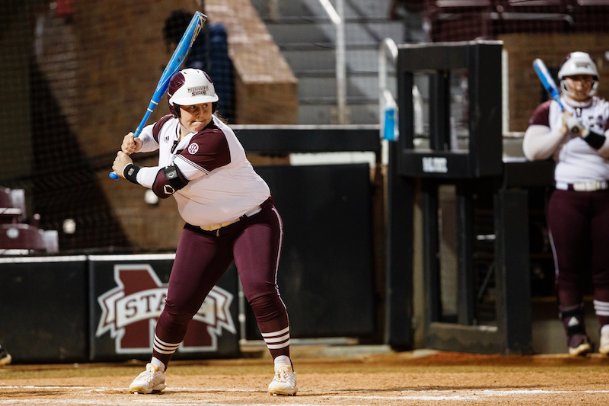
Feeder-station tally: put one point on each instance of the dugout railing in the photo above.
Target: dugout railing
(474, 204)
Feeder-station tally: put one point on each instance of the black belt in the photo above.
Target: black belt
(224, 227)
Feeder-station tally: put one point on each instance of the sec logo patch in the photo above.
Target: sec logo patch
(193, 148)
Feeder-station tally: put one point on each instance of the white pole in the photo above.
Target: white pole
(388, 49)
(341, 65)
(337, 17)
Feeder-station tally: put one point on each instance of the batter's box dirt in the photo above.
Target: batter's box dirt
(382, 379)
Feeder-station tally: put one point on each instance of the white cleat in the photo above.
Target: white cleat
(5, 357)
(284, 381)
(603, 348)
(149, 381)
(580, 350)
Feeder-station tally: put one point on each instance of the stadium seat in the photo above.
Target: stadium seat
(534, 9)
(590, 3)
(539, 6)
(5, 197)
(462, 4)
(18, 237)
(459, 20)
(12, 205)
(590, 15)
(532, 16)
(21, 237)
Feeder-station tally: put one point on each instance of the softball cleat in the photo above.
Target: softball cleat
(284, 381)
(603, 348)
(579, 345)
(150, 381)
(5, 357)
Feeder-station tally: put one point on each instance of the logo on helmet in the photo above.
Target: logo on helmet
(198, 90)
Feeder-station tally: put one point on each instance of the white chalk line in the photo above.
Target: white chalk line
(464, 395)
(459, 395)
(125, 390)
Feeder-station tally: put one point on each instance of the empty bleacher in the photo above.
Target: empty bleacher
(463, 20)
(18, 234)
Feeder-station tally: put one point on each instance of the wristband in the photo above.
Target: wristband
(595, 140)
(130, 173)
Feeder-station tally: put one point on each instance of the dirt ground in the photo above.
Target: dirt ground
(382, 378)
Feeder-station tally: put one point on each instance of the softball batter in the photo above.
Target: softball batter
(578, 208)
(229, 215)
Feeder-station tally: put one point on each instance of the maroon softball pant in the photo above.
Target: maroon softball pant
(202, 257)
(579, 231)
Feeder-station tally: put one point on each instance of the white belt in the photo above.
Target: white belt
(590, 186)
(214, 227)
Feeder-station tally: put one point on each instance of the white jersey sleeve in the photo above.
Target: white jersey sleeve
(147, 175)
(148, 142)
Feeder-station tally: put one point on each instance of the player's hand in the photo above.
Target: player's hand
(120, 162)
(131, 144)
(573, 126)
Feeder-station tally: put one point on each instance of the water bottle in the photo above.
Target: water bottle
(390, 128)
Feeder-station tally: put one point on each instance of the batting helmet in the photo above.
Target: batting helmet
(578, 63)
(188, 87)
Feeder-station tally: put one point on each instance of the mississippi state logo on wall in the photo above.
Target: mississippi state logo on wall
(131, 309)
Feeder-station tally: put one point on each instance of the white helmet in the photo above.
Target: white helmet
(578, 63)
(188, 87)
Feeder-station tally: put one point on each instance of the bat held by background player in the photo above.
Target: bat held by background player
(573, 124)
(547, 82)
